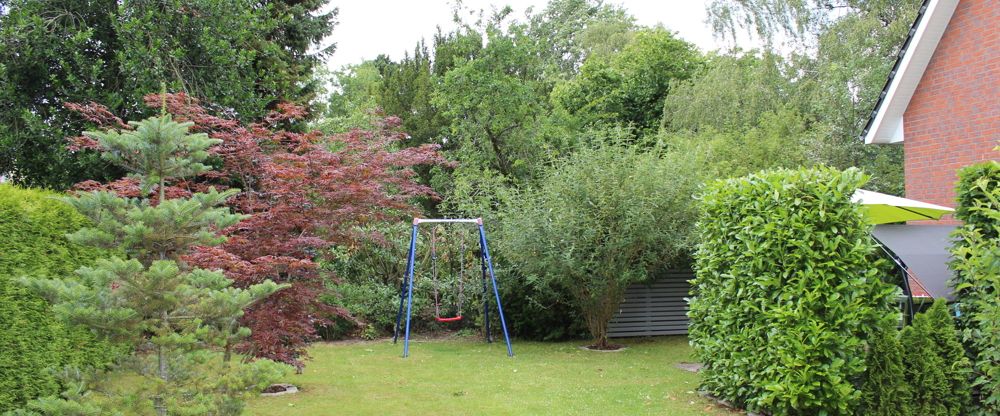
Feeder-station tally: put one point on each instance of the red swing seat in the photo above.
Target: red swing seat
(452, 319)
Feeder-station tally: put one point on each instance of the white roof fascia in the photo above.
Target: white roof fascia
(887, 124)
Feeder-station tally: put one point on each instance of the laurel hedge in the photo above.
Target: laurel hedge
(787, 289)
(976, 262)
(33, 343)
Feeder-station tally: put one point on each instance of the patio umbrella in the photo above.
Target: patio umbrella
(883, 208)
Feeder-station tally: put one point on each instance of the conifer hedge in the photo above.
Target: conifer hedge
(33, 226)
(786, 291)
(937, 370)
(885, 391)
(976, 262)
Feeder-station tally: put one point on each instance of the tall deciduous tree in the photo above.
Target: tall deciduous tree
(165, 309)
(628, 88)
(244, 55)
(573, 30)
(851, 45)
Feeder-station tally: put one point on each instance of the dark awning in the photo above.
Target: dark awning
(924, 249)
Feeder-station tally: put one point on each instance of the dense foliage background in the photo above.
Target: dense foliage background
(243, 56)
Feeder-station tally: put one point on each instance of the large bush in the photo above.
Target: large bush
(603, 219)
(786, 291)
(33, 226)
(976, 262)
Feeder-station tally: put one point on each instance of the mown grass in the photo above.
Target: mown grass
(467, 377)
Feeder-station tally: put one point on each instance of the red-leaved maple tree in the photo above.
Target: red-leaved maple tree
(303, 192)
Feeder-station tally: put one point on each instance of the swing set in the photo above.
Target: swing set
(486, 265)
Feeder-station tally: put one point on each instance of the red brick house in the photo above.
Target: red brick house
(942, 98)
(941, 102)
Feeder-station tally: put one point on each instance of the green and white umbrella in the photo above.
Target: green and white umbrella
(883, 209)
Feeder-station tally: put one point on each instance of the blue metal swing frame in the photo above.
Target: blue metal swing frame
(406, 288)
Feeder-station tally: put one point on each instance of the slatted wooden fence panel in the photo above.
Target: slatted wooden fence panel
(658, 308)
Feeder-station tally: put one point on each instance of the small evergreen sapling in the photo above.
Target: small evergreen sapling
(885, 391)
(937, 369)
(169, 312)
(957, 368)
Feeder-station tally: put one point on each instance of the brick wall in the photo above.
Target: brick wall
(953, 119)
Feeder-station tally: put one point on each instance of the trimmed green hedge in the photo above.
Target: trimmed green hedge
(786, 291)
(33, 226)
(976, 262)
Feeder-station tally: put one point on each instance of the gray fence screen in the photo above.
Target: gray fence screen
(657, 308)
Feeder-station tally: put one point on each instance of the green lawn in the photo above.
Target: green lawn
(468, 377)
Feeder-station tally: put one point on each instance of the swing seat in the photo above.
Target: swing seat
(452, 319)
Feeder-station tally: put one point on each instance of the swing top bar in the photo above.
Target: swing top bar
(478, 221)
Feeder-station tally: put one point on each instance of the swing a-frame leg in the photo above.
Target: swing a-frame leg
(406, 287)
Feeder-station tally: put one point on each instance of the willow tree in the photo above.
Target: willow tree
(603, 219)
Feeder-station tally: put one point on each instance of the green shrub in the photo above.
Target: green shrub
(924, 372)
(937, 369)
(33, 343)
(786, 290)
(537, 308)
(603, 219)
(976, 262)
(885, 391)
(957, 368)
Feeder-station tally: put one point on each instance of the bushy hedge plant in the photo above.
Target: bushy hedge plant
(603, 219)
(786, 291)
(33, 228)
(976, 262)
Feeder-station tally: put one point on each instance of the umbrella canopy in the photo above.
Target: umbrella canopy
(884, 209)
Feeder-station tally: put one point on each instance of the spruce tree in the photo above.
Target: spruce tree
(172, 315)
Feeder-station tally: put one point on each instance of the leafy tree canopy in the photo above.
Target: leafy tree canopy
(628, 88)
(243, 55)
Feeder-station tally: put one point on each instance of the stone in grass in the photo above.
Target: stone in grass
(279, 390)
(692, 367)
(608, 348)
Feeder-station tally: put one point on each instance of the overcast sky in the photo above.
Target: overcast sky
(368, 28)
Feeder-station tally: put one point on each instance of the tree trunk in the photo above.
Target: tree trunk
(161, 361)
(158, 402)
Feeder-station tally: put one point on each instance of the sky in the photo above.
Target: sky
(368, 28)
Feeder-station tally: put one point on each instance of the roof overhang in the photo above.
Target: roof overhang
(885, 124)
